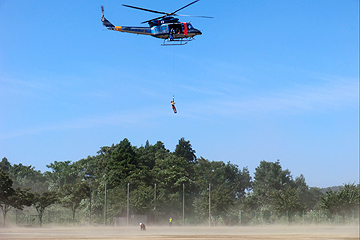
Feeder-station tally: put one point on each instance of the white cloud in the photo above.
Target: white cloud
(332, 95)
(134, 118)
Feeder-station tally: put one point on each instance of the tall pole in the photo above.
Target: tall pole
(105, 204)
(209, 204)
(90, 204)
(155, 203)
(183, 204)
(128, 201)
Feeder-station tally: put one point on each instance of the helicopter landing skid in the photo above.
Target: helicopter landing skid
(176, 42)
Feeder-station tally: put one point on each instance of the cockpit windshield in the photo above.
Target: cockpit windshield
(189, 26)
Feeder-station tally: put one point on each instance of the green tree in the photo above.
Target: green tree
(287, 200)
(350, 197)
(250, 202)
(184, 149)
(342, 202)
(121, 163)
(90, 168)
(62, 173)
(26, 177)
(6, 193)
(42, 201)
(270, 177)
(228, 186)
(144, 176)
(315, 195)
(147, 155)
(170, 173)
(5, 165)
(71, 195)
(10, 197)
(309, 196)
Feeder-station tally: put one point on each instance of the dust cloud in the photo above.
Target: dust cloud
(188, 233)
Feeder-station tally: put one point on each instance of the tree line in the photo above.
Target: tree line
(159, 180)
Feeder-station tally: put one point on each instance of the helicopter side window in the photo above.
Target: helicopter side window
(157, 29)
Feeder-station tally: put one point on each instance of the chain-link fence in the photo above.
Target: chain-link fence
(287, 217)
(57, 215)
(30, 217)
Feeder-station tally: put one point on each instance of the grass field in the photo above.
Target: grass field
(185, 233)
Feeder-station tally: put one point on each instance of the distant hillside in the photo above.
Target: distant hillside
(333, 188)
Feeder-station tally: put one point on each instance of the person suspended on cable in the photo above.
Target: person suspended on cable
(173, 105)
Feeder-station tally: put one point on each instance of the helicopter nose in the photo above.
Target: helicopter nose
(198, 32)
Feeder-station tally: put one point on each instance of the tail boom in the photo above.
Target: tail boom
(136, 30)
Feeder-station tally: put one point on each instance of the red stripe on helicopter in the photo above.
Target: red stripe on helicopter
(185, 29)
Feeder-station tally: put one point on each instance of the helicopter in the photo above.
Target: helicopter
(164, 27)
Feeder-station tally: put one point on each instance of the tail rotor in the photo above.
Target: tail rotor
(102, 13)
(106, 22)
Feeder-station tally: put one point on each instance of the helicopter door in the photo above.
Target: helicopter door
(177, 28)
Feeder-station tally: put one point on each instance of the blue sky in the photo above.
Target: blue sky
(267, 80)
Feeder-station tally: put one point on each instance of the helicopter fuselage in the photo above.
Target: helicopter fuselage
(180, 30)
(166, 27)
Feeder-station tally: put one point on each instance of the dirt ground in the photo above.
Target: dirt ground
(184, 233)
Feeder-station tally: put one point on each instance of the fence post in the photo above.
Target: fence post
(128, 201)
(303, 217)
(337, 218)
(105, 204)
(255, 218)
(209, 205)
(240, 218)
(90, 205)
(155, 203)
(183, 204)
(287, 217)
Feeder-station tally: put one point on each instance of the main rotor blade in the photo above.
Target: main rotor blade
(165, 13)
(144, 9)
(181, 15)
(185, 6)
